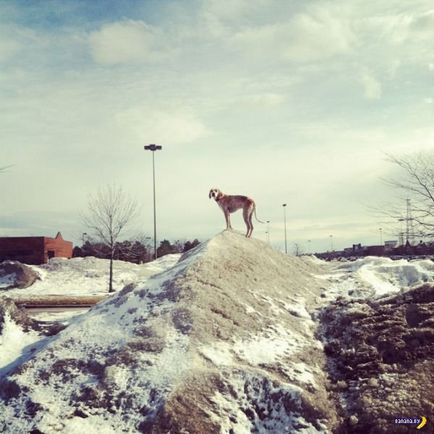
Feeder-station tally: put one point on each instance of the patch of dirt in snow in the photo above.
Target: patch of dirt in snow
(222, 342)
(381, 360)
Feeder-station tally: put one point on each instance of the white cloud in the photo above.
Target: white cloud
(395, 35)
(264, 100)
(122, 42)
(230, 11)
(220, 18)
(16, 39)
(8, 48)
(371, 86)
(423, 25)
(317, 36)
(153, 125)
(314, 35)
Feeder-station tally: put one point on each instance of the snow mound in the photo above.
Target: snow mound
(89, 275)
(13, 274)
(17, 341)
(222, 342)
(377, 276)
(20, 335)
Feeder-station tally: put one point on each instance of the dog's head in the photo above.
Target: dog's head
(214, 193)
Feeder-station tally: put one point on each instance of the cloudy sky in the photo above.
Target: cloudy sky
(291, 102)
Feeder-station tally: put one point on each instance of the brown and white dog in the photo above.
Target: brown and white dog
(230, 204)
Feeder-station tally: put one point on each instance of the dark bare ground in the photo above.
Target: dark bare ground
(381, 361)
(58, 300)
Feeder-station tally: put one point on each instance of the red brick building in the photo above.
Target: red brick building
(34, 250)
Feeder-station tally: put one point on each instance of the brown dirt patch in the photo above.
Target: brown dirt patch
(381, 360)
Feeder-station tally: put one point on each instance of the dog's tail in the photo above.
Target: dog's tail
(254, 211)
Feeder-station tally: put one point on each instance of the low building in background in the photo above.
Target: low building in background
(390, 245)
(34, 250)
(390, 249)
(374, 251)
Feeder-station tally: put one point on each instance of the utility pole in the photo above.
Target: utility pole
(409, 225)
(284, 222)
(409, 230)
(154, 148)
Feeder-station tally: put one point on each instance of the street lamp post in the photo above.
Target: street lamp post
(381, 236)
(284, 222)
(331, 243)
(268, 231)
(154, 148)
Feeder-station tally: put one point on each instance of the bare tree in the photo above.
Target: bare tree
(298, 251)
(110, 210)
(417, 184)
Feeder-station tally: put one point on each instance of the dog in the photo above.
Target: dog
(230, 204)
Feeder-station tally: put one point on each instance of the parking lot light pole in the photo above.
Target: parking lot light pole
(284, 221)
(268, 231)
(154, 148)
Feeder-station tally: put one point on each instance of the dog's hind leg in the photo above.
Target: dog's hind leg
(251, 223)
(247, 216)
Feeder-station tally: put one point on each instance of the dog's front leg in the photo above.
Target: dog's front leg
(228, 221)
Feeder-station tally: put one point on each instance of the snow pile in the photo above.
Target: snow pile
(89, 275)
(13, 274)
(16, 344)
(20, 335)
(222, 342)
(7, 281)
(377, 276)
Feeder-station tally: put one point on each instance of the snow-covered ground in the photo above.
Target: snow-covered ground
(88, 276)
(373, 276)
(69, 277)
(227, 332)
(6, 281)
(15, 344)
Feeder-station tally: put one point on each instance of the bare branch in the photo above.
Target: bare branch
(417, 182)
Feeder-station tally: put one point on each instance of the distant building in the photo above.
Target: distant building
(374, 250)
(34, 250)
(389, 249)
(390, 245)
(348, 251)
(357, 248)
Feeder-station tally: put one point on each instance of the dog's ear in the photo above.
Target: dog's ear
(210, 194)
